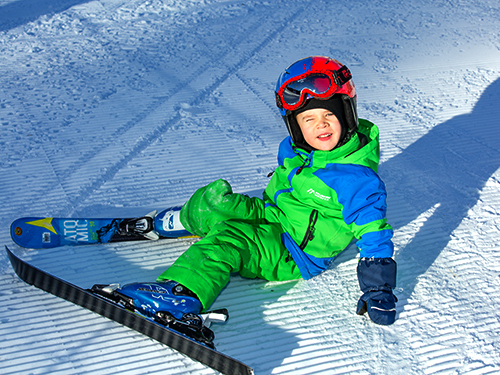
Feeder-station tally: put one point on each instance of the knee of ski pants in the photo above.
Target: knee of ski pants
(252, 250)
(216, 203)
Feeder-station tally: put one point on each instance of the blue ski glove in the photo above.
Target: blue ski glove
(377, 278)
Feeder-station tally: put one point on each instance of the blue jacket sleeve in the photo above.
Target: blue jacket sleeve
(362, 195)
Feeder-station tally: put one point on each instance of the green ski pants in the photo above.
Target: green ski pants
(242, 243)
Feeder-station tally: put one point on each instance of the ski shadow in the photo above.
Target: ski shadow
(264, 344)
(441, 175)
(20, 12)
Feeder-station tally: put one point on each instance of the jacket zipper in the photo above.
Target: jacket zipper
(310, 229)
(305, 164)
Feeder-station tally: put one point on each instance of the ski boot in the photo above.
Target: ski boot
(168, 224)
(167, 303)
(143, 226)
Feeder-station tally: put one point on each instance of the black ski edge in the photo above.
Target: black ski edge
(79, 296)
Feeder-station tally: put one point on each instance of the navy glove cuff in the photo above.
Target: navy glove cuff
(377, 274)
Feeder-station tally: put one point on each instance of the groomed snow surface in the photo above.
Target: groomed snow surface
(116, 107)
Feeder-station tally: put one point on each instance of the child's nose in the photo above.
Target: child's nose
(323, 123)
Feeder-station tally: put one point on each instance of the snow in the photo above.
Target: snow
(116, 107)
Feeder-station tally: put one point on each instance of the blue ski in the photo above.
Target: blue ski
(47, 232)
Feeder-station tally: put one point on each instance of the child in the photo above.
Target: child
(324, 193)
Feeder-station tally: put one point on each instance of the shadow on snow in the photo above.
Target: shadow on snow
(444, 170)
(20, 12)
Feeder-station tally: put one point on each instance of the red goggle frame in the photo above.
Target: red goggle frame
(321, 84)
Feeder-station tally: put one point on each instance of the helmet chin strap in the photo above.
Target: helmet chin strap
(296, 134)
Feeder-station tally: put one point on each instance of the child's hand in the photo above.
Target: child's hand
(377, 279)
(380, 305)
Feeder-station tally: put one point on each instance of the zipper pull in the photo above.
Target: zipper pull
(311, 235)
(306, 162)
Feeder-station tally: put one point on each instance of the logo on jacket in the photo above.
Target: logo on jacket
(318, 195)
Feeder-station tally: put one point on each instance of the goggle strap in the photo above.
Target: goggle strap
(342, 75)
(278, 100)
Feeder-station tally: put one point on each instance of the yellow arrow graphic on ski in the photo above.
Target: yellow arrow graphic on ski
(44, 223)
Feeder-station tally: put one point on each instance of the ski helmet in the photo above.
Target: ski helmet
(317, 82)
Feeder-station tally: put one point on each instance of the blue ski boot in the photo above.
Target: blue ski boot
(167, 303)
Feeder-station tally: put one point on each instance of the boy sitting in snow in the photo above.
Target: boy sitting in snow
(324, 193)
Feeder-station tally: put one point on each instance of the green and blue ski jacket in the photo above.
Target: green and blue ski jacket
(325, 199)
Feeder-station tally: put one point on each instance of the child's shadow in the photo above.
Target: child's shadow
(441, 176)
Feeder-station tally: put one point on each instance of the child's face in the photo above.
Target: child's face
(320, 127)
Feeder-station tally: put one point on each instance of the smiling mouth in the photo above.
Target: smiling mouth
(325, 135)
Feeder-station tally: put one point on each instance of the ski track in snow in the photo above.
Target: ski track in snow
(116, 107)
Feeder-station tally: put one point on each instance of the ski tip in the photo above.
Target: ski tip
(13, 259)
(9, 251)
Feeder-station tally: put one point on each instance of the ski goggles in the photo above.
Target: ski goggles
(320, 84)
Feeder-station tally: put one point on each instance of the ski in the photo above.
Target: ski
(49, 232)
(102, 306)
